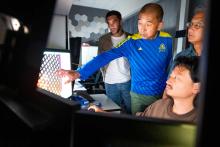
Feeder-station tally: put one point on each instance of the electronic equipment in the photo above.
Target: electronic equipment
(109, 129)
(54, 59)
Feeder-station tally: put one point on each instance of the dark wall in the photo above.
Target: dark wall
(130, 24)
(75, 48)
(171, 16)
(25, 50)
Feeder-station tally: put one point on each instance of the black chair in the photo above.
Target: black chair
(94, 84)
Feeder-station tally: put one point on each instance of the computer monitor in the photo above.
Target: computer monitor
(54, 59)
(88, 53)
(113, 130)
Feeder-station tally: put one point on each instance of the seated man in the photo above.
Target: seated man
(183, 87)
(195, 35)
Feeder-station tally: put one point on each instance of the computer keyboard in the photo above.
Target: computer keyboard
(84, 94)
(84, 99)
(83, 102)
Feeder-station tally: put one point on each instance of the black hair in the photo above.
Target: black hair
(200, 8)
(155, 8)
(190, 63)
(113, 12)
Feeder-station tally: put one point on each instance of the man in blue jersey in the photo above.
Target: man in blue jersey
(149, 53)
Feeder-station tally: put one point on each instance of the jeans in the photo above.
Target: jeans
(120, 94)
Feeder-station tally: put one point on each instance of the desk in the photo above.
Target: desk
(78, 86)
(106, 103)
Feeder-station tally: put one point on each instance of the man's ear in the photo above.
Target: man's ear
(160, 26)
(196, 88)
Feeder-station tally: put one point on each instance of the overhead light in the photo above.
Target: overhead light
(26, 30)
(15, 24)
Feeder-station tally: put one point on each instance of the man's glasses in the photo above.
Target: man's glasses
(195, 25)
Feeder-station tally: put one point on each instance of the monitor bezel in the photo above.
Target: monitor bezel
(102, 129)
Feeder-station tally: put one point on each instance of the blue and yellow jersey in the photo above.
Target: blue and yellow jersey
(149, 60)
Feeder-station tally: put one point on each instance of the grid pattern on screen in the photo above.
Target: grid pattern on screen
(47, 78)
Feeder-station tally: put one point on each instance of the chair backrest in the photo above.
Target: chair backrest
(180, 33)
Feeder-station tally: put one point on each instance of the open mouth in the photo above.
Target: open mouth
(169, 87)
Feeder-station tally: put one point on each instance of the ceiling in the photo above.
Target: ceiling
(126, 7)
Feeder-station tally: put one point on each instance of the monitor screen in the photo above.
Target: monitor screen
(54, 59)
(88, 53)
(112, 130)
